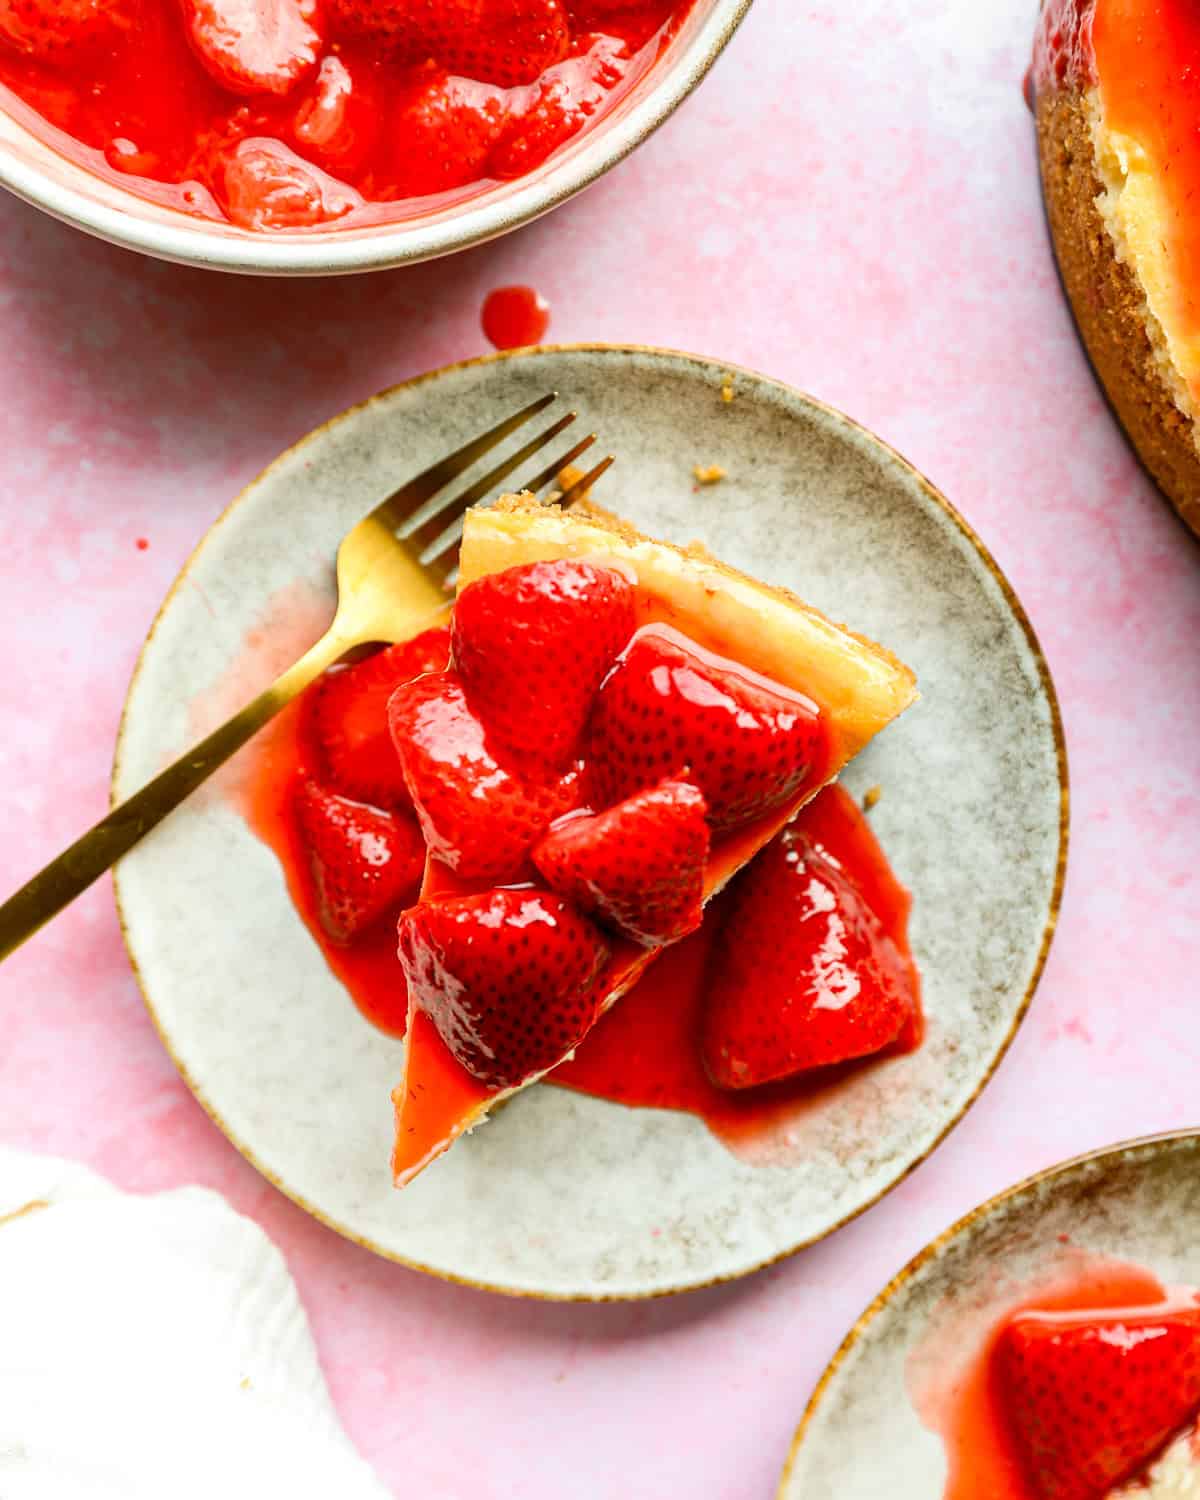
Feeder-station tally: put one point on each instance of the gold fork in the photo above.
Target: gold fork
(395, 572)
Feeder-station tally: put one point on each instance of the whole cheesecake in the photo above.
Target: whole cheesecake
(1118, 123)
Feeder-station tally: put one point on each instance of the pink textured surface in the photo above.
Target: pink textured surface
(848, 203)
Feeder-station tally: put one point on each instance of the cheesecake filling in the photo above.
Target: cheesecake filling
(1174, 1474)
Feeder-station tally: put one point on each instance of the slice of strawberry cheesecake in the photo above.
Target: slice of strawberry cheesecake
(624, 724)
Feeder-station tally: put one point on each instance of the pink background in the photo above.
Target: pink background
(848, 203)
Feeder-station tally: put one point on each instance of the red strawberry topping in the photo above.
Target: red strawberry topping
(803, 975)
(638, 867)
(64, 31)
(565, 99)
(443, 131)
(533, 643)
(350, 723)
(263, 185)
(365, 863)
(255, 46)
(478, 818)
(337, 122)
(505, 42)
(1091, 1397)
(670, 708)
(508, 978)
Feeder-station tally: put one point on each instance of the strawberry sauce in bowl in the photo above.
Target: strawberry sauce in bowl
(240, 135)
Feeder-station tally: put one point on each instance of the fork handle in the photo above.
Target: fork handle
(99, 849)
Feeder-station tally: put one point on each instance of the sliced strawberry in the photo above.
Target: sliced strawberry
(533, 643)
(638, 867)
(350, 720)
(262, 185)
(503, 42)
(669, 707)
(255, 46)
(65, 31)
(364, 862)
(565, 99)
(507, 977)
(803, 973)
(478, 818)
(337, 121)
(1091, 1397)
(443, 129)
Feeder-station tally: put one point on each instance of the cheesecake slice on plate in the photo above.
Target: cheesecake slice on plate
(624, 725)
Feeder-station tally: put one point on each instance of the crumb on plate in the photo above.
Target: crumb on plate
(708, 473)
(871, 796)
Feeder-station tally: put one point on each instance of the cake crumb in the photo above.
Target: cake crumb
(708, 473)
(727, 389)
(871, 796)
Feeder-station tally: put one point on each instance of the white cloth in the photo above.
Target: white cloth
(154, 1346)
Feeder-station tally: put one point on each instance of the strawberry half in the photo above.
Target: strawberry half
(350, 718)
(508, 978)
(364, 862)
(478, 818)
(1091, 1397)
(255, 46)
(565, 99)
(503, 42)
(670, 708)
(803, 974)
(638, 867)
(64, 31)
(261, 184)
(443, 130)
(533, 643)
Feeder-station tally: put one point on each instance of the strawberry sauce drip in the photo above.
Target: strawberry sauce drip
(341, 130)
(514, 316)
(962, 1402)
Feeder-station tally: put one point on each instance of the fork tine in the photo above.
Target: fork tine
(451, 534)
(425, 536)
(395, 509)
(582, 485)
(552, 471)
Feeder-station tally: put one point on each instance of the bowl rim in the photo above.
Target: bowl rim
(619, 351)
(941, 1243)
(187, 241)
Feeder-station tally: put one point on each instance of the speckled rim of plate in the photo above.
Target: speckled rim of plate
(1064, 1172)
(720, 370)
(36, 172)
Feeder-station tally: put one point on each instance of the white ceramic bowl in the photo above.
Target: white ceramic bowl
(31, 167)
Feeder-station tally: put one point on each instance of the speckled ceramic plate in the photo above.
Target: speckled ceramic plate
(862, 1435)
(561, 1195)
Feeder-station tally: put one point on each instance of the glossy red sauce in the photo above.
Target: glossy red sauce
(966, 1407)
(645, 1051)
(355, 138)
(514, 316)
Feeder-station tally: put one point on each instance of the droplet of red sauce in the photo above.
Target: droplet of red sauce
(514, 316)
(142, 543)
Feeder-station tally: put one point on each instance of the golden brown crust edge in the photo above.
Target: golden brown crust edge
(598, 516)
(1108, 304)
